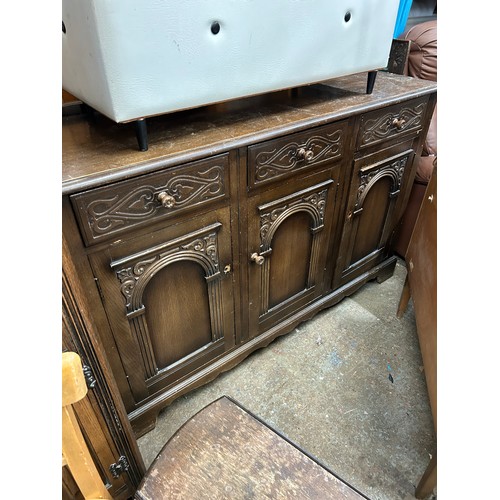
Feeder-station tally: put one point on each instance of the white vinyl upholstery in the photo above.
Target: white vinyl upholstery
(130, 59)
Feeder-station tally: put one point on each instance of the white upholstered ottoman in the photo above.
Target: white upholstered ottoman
(130, 59)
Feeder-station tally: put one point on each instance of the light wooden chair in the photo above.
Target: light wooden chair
(221, 452)
(75, 453)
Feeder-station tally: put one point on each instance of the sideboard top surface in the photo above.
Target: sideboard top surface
(97, 152)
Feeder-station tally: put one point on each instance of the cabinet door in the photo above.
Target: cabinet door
(169, 300)
(287, 249)
(372, 211)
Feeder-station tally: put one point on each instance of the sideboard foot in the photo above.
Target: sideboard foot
(144, 424)
(387, 270)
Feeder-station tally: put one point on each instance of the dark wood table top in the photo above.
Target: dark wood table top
(101, 151)
(225, 452)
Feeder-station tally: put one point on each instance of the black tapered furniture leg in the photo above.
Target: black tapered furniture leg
(371, 81)
(141, 133)
(88, 111)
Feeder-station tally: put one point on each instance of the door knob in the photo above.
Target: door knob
(399, 123)
(305, 154)
(166, 200)
(258, 259)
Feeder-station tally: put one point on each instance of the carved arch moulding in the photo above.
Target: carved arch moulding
(311, 201)
(136, 271)
(394, 170)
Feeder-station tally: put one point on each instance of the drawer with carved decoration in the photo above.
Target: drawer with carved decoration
(104, 213)
(281, 158)
(390, 122)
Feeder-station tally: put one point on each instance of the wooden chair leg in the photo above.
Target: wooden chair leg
(428, 481)
(77, 457)
(75, 453)
(405, 298)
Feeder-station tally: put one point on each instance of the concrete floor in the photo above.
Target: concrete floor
(326, 386)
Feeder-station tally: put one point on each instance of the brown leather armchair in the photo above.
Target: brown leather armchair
(422, 63)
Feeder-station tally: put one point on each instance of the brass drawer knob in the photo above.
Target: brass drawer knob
(305, 154)
(166, 200)
(258, 259)
(398, 123)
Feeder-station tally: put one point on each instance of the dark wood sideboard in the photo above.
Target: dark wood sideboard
(242, 220)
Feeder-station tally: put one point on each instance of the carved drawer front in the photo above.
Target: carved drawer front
(280, 158)
(390, 122)
(106, 212)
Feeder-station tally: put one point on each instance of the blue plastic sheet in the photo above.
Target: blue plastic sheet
(402, 17)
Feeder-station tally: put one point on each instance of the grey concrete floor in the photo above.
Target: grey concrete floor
(326, 386)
